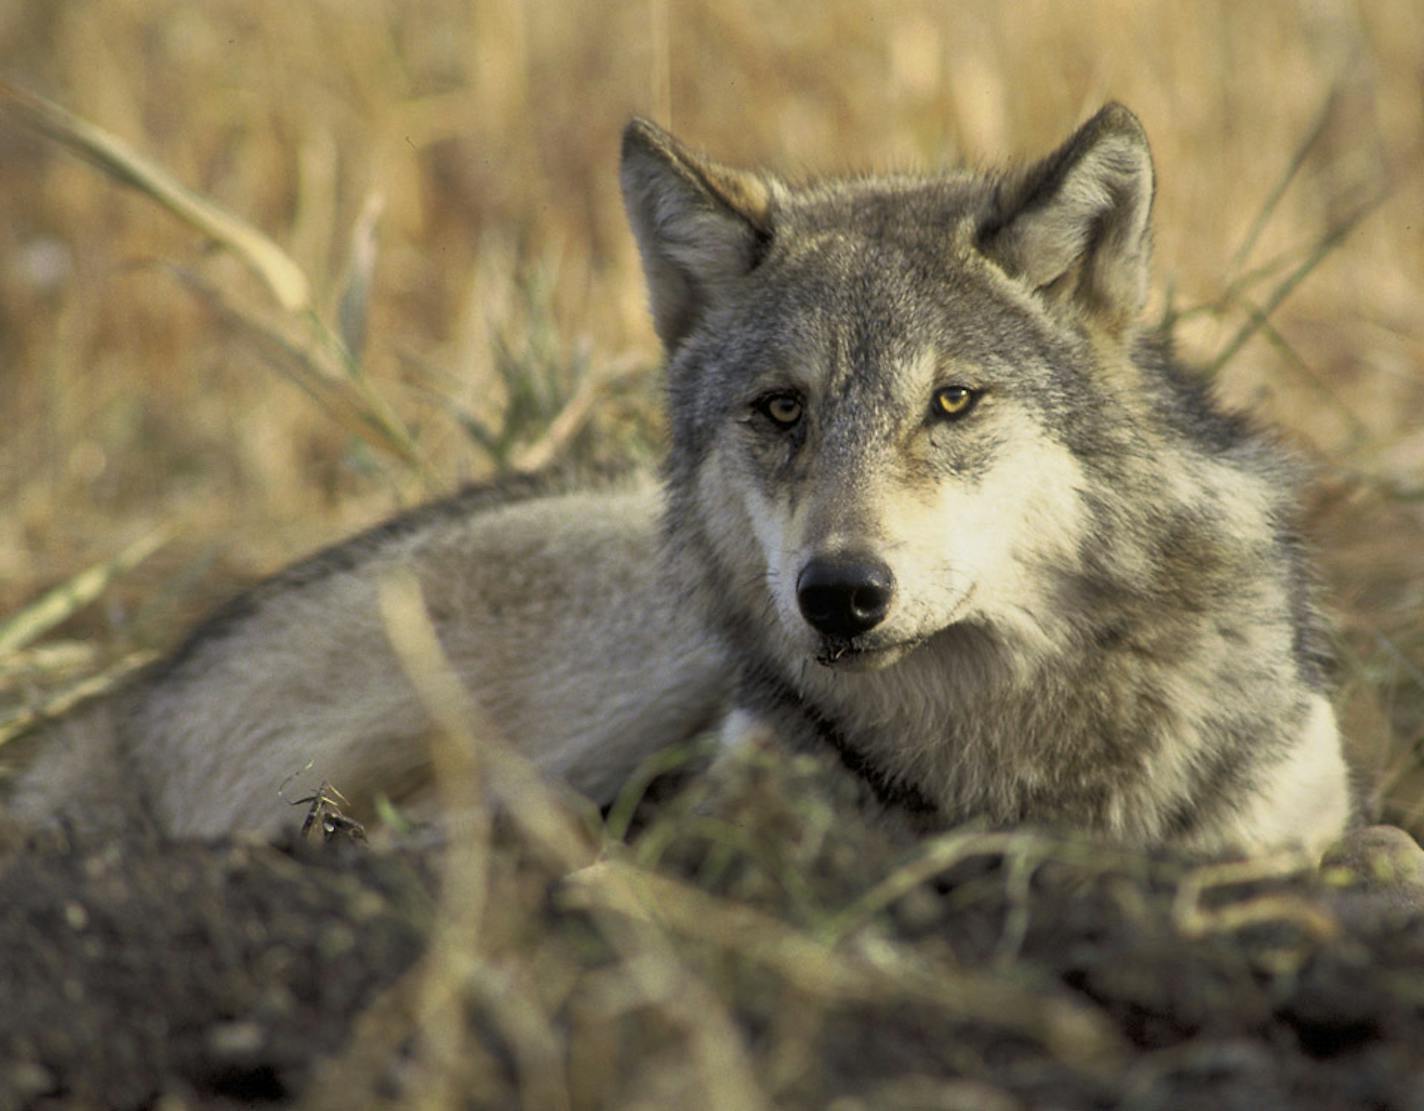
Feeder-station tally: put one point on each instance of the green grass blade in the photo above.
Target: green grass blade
(59, 604)
(61, 702)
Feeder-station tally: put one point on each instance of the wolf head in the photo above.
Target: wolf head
(884, 391)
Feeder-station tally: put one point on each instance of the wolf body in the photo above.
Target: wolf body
(935, 500)
(548, 605)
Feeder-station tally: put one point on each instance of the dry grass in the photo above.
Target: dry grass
(442, 178)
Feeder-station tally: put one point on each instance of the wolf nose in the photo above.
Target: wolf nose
(842, 596)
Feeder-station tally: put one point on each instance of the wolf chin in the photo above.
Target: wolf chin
(936, 500)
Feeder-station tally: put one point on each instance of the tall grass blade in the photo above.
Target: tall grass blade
(316, 367)
(64, 600)
(287, 281)
(566, 424)
(1263, 217)
(61, 702)
(351, 311)
(1332, 239)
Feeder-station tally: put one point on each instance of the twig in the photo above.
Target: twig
(1317, 129)
(1076, 1033)
(1332, 239)
(560, 431)
(70, 697)
(1194, 920)
(951, 849)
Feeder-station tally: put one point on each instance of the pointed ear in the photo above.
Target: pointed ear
(1075, 227)
(700, 226)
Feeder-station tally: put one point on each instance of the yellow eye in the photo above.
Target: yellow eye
(954, 401)
(783, 409)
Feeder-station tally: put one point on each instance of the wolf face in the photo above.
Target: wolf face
(961, 518)
(879, 385)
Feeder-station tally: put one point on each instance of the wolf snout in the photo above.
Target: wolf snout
(844, 596)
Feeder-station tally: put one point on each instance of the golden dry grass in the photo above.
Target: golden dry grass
(462, 156)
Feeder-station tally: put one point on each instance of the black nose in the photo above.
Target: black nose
(843, 596)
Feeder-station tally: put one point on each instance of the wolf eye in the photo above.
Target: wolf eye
(953, 402)
(782, 409)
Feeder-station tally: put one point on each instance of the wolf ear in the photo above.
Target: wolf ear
(700, 226)
(1075, 226)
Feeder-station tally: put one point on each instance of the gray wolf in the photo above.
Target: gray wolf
(936, 500)
(549, 606)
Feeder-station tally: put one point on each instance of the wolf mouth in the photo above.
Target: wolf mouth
(855, 655)
(864, 653)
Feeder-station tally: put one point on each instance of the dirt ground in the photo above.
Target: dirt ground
(983, 971)
(215, 973)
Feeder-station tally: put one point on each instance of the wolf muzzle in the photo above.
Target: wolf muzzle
(844, 595)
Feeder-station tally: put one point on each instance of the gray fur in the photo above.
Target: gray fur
(548, 602)
(1101, 615)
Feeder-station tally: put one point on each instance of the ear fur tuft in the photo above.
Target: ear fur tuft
(1076, 225)
(699, 225)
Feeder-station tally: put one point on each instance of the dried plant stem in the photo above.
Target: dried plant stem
(1327, 244)
(951, 849)
(882, 969)
(1194, 919)
(59, 604)
(299, 351)
(66, 699)
(286, 280)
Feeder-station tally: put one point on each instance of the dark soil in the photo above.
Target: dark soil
(217, 975)
(214, 972)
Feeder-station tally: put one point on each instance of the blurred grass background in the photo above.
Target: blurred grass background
(469, 150)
